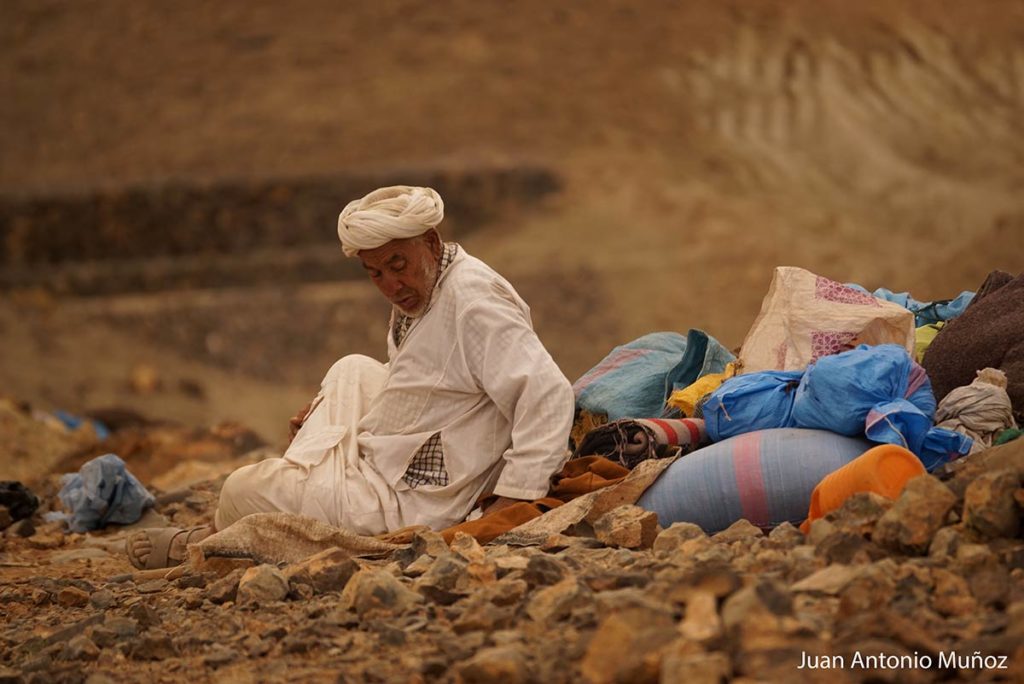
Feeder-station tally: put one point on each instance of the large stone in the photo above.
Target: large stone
(377, 591)
(675, 535)
(989, 505)
(226, 588)
(262, 584)
(328, 570)
(861, 512)
(556, 602)
(153, 645)
(81, 648)
(830, 580)
(626, 646)
(505, 664)
(916, 516)
(543, 570)
(72, 597)
(446, 581)
(628, 527)
(740, 530)
(702, 622)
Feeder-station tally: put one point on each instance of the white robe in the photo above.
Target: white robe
(471, 368)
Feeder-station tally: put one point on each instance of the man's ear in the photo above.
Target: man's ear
(433, 239)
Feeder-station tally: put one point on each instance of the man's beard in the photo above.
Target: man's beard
(430, 270)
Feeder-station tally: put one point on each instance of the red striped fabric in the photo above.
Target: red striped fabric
(749, 480)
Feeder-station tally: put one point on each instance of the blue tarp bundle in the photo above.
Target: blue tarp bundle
(878, 392)
(635, 379)
(103, 492)
(925, 313)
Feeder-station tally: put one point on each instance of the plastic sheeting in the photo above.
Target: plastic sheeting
(103, 492)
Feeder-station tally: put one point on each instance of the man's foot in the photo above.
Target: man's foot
(163, 547)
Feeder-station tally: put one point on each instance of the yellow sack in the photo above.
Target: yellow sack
(923, 337)
(687, 398)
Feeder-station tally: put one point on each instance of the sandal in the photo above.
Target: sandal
(161, 540)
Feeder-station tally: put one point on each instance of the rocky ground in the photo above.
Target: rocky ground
(934, 582)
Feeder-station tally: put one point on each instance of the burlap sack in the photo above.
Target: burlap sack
(806, 316)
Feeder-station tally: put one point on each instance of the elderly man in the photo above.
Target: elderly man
(469, 405)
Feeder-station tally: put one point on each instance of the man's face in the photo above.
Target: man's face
(405, 271)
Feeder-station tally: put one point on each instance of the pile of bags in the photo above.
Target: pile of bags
(826, 373)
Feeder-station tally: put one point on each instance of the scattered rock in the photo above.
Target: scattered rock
(554, 603)
(830, 580)
(262, 584)
(152, 645)
(739, 531)
(152, 586)
(377, 591)
(673, 537)
(626, 645)
(328, 570)
(543, 570)
(21, 528)
(145, 615)
(226, 588)
(989, 505)
(916, 516)
(628, 527)
(684, 665)
(72, 597)
(81, 648)
(495, 664)
(446, 580)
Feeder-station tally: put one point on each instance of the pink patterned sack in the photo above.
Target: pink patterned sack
(806, 316)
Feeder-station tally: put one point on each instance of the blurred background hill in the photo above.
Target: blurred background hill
(171, 173)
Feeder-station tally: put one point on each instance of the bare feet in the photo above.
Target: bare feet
(163, 547)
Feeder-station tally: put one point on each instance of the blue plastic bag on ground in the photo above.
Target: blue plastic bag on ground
(875, 391)
(103, 492)
(925, 313)
(635, 379)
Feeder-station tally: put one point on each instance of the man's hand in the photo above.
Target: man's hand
(498, 503)
(295, 422)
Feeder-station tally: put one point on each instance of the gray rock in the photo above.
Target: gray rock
(72, 597)
(787, 536)
(262, 584)
(226, 588)
(153, 645)
(629, 527)
(328, 570)
(152, 586)
(219, 656)
(675, 535)
(916, 516)
(80, 648)
(377, 591)
(122, 627)
(144, 614)
(446, 581)
(495, 664)
(102, 599)
(556, 602)
(544, 570)
(989, 505)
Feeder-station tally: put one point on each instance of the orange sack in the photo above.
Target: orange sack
(884, 470)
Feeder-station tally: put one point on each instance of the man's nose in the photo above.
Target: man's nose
(390, 285)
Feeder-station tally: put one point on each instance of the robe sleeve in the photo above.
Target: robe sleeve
(508, 361)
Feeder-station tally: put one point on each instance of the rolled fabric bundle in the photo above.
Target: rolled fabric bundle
(630, 441)
(980, 410)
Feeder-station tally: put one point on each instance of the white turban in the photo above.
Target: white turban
(388, 214)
